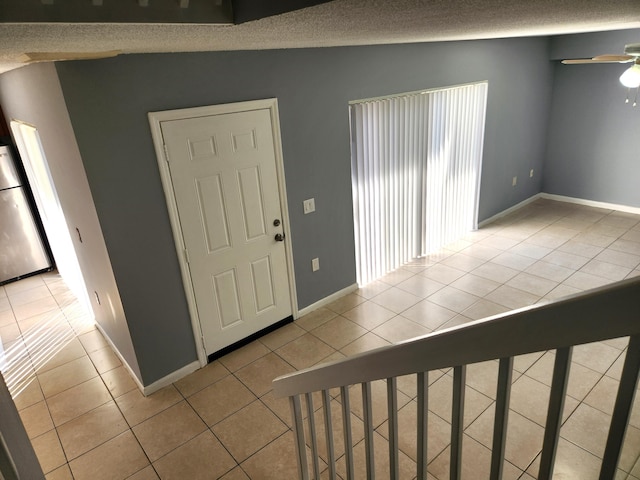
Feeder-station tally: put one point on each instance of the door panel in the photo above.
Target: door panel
(251, 198)
(202, 148)
(228, 298)
(226, 188)
(212, 213)
(263, 288)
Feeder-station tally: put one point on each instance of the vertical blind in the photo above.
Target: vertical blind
(415, 163)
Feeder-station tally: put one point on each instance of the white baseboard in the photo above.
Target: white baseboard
(158, 384)
(327, 300)
(509, 210)
(134, 377)
(591, 203)
(192, 367)
(561, 198)
(172, 377)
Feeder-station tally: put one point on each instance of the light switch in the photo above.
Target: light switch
(309, 205)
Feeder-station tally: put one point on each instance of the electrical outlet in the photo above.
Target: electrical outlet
(309, 205)
(514, 181)
(531, 173)
(315, 264)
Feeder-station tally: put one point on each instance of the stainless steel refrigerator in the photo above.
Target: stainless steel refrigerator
(22, 251)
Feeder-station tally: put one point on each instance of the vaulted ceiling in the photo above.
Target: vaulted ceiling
(51, 29)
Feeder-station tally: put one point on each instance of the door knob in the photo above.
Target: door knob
(279, 237)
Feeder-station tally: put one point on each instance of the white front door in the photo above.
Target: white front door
(225, 183)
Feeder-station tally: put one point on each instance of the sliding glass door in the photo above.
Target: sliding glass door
(416, 162)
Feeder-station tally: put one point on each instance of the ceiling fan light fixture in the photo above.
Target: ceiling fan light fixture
(630, 78)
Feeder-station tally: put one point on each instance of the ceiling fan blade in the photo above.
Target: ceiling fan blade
(601, 59)
(615, 58)
(578, 61)
(31, 57)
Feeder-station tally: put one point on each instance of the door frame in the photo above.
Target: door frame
(63, 249)
(155, 121)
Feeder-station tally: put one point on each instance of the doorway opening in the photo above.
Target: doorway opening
(47, 333)
(49, 208)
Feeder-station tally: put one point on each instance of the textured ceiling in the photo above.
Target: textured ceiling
(339, 22)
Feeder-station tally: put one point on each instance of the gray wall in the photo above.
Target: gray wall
(592, 149)
(108, 101)
(32, 94)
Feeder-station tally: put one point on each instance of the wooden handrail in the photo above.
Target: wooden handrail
(603, 313)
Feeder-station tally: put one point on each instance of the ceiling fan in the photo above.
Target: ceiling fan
(630, 78)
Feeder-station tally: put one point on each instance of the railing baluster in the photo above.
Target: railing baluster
(312, 436)
(346, 427)
(423, 405)
(575, 320)
(622, 409)
(368, 430)
(298, 431)
(457, 417)
(392, 406)
(503, 395)
(328, 430)
(554, 414)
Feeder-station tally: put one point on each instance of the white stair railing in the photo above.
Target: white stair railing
(605, 313)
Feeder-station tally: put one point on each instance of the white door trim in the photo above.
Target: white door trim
(155, 121)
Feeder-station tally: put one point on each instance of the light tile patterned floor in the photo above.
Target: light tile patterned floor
(87, 419)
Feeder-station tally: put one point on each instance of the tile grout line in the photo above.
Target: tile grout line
(367, 330)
